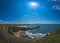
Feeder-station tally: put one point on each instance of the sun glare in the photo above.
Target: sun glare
(33, 4)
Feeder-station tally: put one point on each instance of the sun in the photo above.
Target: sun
(33, 4)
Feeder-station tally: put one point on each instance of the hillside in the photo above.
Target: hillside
(5, 37)
(54, 37)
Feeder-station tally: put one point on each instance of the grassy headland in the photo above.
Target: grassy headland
(6, 37)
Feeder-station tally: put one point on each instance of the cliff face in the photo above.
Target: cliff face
(19, 33)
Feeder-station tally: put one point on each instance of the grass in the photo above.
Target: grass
(54, 36)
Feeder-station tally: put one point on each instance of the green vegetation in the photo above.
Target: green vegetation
(6, 37)
(54, 37)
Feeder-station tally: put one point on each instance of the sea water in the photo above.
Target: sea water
(41, 32)
(44, 28)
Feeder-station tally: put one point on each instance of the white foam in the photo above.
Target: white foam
(35, 35)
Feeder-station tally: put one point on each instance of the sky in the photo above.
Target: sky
(24, 12)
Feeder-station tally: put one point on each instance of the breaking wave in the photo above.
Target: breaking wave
(35, 35)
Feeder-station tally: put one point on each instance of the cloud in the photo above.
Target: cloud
(4, 22)
(56, 7)
(26, 15)
(53, 0)
(40, 22)
(30, 22)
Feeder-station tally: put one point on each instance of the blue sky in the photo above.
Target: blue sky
(20, 12)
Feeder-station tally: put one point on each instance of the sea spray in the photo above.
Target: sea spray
(35, 35)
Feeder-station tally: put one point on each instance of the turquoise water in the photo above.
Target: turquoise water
(44, 28)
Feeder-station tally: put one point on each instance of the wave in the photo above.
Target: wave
(35, 35)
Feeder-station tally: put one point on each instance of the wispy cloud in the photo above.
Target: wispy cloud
(26, 15)
(30, 22)
(39, 22)
(4, 22)
(56, 7)
(53, 0)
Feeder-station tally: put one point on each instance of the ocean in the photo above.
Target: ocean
(44, 28)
